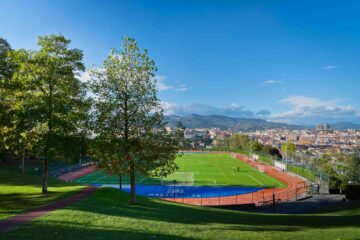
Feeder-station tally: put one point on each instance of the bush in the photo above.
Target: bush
(306, 173)
(352, 191)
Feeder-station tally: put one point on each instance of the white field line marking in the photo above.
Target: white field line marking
(97, 180)
(221, 171)
(255, 179)
(272, 179)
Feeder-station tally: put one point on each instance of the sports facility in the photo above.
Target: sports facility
(199, 175)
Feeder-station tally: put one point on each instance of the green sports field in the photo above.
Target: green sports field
(200, 170)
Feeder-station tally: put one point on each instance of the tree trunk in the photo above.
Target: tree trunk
(120, 181)
(45, 176)
(49, 136)
(132, 185)
(23, 161)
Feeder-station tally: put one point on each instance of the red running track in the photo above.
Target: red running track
(296, 188)
(71, 176)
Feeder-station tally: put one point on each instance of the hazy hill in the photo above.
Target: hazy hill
(226, 123)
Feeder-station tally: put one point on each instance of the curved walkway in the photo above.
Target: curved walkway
(17, 220)
(295, 189)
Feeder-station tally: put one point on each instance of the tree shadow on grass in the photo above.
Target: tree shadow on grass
(110, 202)
(15, 203)
(67, 230)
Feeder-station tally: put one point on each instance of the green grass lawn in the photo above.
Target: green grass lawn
(106, 214)
(206, 169)
(19, 193)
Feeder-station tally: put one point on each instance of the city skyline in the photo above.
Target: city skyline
(281, 62)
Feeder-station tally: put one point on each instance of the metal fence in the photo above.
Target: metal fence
(260, 198)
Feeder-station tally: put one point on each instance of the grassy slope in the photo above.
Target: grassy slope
(19, 192)
(106, 214)
(208, 169)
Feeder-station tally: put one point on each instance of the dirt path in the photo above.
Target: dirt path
(17, 220)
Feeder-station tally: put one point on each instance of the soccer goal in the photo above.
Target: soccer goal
(181, 178)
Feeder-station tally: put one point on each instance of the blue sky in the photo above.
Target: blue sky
(287, 61)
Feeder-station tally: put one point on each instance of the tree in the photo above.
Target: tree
(288, 149)
(50, 97)
(128, 118)
(239, 141)
(6, 71)
(272, 151)
(352, 169)
(255, 146)
(6, 68)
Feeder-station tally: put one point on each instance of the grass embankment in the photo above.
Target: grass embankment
(106, 214)
(19, 193)
(205, 169)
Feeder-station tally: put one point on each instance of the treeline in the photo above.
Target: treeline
(242, 142)
(48, 114)
(343, 170)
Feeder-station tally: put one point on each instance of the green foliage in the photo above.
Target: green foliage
(306, 173)
(288, 149)
(352, 169)
(271, 151)
(266, 160)
(255, 146)
(128, 119)
(49, 106)
(6, 71)
(239, 141)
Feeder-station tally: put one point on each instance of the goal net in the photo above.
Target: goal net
(179, 178)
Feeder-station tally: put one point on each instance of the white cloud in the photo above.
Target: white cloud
(84, 76)
(331, 67)
(272, 82)
(301, 110)
(160, 83)
(234, 110)
(163, 86)
(307, 110)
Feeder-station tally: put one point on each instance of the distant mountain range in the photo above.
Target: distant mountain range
(242, 124)
(344, 126)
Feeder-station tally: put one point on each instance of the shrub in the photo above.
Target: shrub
(352, 191)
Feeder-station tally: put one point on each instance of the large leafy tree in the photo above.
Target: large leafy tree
(128, 119)
(239, 141)
(6, 71)
(49, 99)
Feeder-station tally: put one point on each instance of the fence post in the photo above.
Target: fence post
(273, 196)
(296, 190)
(236, 199)
(263, 197)
(252, 197)
(219, 199)
(201, 199)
